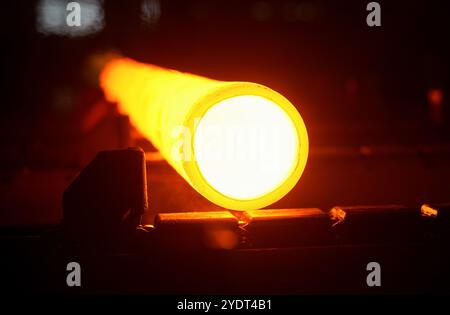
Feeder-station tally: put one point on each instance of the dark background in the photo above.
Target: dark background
(362, 91)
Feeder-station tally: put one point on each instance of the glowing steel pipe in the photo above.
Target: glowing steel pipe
(239, 144)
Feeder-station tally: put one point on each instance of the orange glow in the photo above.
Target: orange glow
(221, 238)
(337, 215)
(239, 144)
(428, 211)
(435, 97)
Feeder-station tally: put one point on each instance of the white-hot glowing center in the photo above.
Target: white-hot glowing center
(246, 146)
